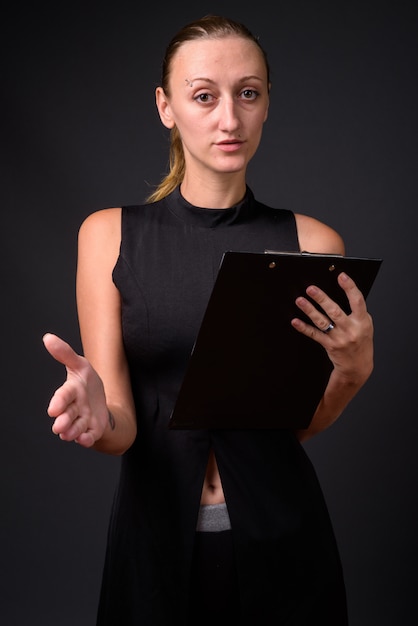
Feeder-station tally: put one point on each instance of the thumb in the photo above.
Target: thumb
(61, 350)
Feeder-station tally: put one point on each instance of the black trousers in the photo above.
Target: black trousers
(214, 585)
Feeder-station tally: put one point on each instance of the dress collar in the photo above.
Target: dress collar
(210, 218)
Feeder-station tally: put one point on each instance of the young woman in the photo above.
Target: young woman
(205, 523)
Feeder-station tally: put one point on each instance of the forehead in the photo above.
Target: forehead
(205, 56)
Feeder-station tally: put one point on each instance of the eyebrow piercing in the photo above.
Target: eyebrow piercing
(189, 82)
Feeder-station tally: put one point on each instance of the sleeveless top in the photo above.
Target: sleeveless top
(286, 554)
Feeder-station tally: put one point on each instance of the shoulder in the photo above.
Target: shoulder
(103, 221)
(101, 227)
(316, 236)
(100, 233)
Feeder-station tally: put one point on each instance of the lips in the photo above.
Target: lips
(228, 141)
(230, 145)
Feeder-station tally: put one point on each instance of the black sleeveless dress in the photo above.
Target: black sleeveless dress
(288, 563)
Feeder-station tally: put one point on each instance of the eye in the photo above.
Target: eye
(249, 94)
(203, 97)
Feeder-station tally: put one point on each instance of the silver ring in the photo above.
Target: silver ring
(328, 328)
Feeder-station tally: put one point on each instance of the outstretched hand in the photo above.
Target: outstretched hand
(78, 407)
(348, 339)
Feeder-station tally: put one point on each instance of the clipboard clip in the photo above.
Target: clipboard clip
(303, 253)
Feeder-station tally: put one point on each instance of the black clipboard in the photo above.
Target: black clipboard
(249, 368)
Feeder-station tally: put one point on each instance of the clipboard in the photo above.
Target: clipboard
(249, 368)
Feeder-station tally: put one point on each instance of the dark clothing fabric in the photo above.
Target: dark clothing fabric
(287, 561)
(214, 589)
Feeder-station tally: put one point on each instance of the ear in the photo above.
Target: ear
(164, 108)
(266, 114)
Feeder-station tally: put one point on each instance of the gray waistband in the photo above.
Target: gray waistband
(213, 518)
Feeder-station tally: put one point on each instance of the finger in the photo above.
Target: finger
(355, 297)
(331, 311)
(63, 398)
(75, 429)
(323, 321)
(87, 440)
(312, 332)
(81, 433)
(61, 351)
(64, 420)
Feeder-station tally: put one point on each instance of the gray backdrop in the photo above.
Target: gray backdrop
(80, 132)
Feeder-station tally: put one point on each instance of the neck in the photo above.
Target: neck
(220, 193)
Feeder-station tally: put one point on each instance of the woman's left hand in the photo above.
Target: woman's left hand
(348, 339)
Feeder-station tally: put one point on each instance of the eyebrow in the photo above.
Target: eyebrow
(209, 80)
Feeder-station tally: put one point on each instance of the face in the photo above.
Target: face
(218, 100)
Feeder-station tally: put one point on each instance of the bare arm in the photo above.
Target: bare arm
(95, 406)
(349, 345)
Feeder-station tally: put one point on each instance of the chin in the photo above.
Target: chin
(232, 167)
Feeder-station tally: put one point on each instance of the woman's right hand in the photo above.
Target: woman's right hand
(78, 407)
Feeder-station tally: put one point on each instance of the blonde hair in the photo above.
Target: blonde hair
(208, 27)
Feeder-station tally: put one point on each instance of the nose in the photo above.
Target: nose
(228, 115)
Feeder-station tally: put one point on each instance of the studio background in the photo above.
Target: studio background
(80, 131)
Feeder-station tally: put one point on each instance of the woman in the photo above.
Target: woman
(205, 523)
